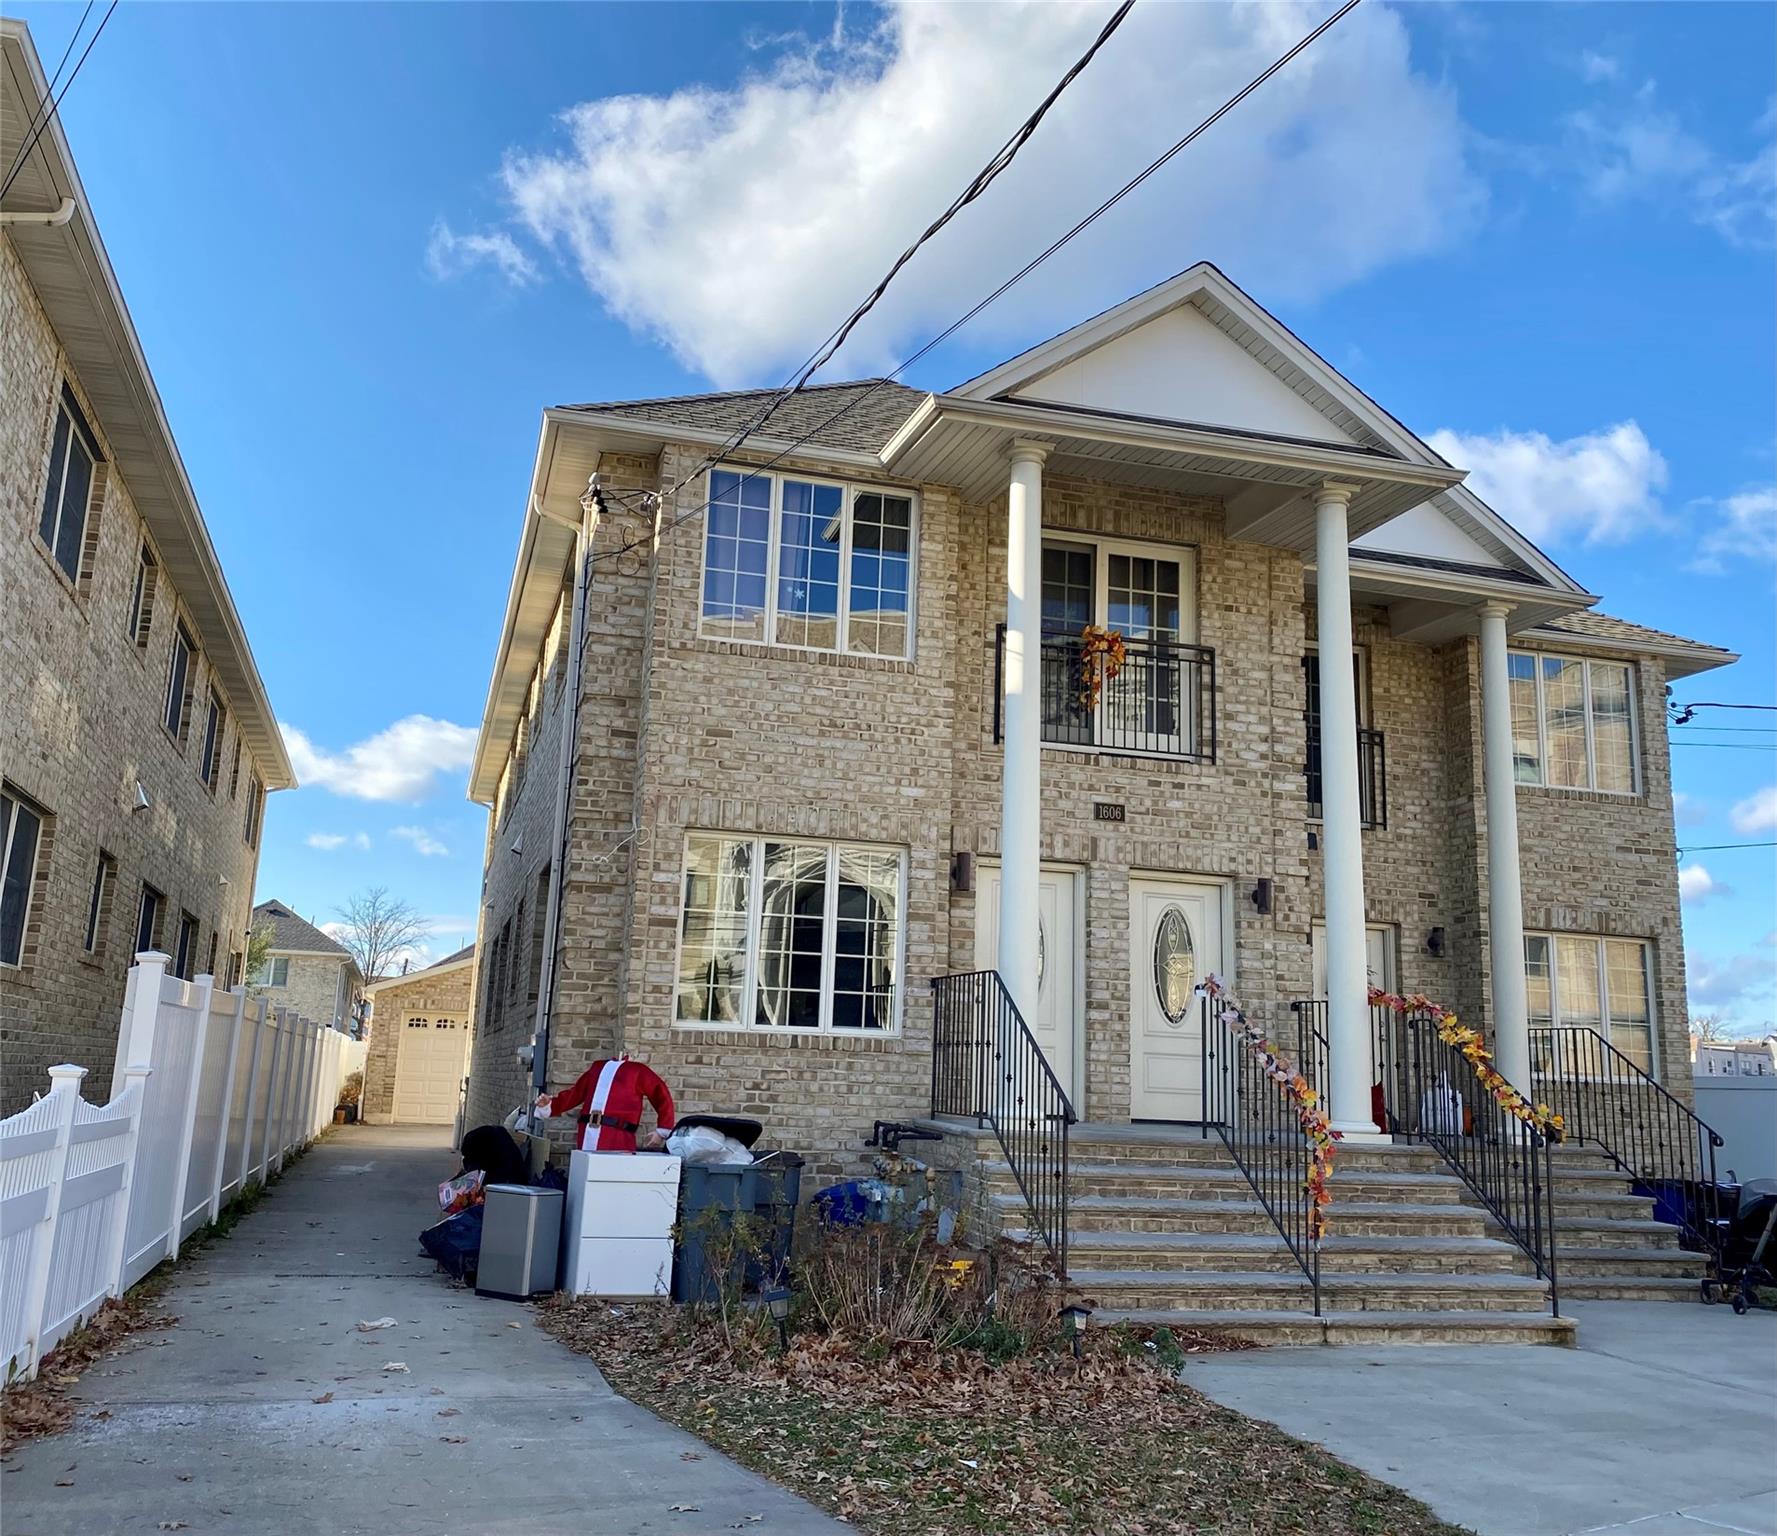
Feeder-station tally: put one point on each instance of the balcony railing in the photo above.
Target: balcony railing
(1161, 704)
(1372, 776)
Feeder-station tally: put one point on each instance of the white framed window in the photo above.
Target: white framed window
(148, 912)
(21, 831)
(788, 935)
(98, 910)
(142, 598)
(73, 454)
(255, 810)
(179, 680)
(215, 724)
(1602, 984)
(1573, 722)
(277, 971)
(810, 563)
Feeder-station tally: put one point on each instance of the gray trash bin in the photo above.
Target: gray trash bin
(711, 1196)
(520, 1236)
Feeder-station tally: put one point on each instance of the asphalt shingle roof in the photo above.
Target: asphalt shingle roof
(288, 931)
(872, 411)
(1601, 626)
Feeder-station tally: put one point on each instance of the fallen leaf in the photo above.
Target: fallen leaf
(325, 1397)
(448, 1413)
(64, 1482)
(372, 1326)
(683, 1509)
(171, 1525)
(454, 1439)
(396, 1365)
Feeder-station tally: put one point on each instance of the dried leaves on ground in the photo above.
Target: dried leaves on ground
(42, 1406)
(915, 1440)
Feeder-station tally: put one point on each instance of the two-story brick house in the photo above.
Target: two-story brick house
(137, 743)
(842, 729)
(306, 969)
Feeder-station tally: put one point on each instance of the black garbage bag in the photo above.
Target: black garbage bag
(455, 1243)
(492, 1149)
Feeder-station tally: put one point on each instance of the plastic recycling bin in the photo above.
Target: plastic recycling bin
(711, 1196)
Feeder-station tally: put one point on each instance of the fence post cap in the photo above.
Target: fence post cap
(66, 1075)
(204, 980)
(153, 957)
(138, 1074)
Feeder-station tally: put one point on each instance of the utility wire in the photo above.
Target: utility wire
(54, 80)
(1719, 847)
(55, 105)
(1023, 272)
(1729, 746)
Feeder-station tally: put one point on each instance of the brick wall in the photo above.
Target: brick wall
(81, 707)
(312, 988)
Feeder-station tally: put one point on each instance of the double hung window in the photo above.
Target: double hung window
(1573, 722)
(179, 681)
(73, 453)
(21, 828)
(815, 564)
(1600, 984)
(781, 934)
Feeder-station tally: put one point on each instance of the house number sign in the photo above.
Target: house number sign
(1104, 810)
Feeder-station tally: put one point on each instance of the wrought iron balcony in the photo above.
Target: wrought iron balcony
(1372, 776)
(1162, 703)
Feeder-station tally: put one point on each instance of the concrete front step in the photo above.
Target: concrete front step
(1576, 1264)
(1603, 1207)
(1632, 1288)
(1246, 1291)
(1228, 1182)
(1374, 1327)
(1159, 1213)
(1603, 1232)
(1196, 1252)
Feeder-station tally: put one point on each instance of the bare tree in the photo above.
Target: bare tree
(1707, 1028)
(378, 928)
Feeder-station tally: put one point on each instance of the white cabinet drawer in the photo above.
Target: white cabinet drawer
(612, 1266)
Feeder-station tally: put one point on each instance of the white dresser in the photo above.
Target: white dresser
(617, 1239)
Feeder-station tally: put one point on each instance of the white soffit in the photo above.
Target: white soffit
(1181, 366)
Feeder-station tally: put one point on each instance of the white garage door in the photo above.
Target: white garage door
(430, 1059)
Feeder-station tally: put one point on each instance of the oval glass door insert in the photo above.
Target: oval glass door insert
(1175, 964)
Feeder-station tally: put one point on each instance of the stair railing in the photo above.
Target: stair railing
(1606, 1100)
(1258, 1124)
(988, 1067)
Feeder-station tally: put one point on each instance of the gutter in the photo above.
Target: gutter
(56, 217)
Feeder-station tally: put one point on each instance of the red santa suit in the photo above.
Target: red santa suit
(608, 1096)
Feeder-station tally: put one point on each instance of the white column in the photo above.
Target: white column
(1350, 1070)
(1505, 884)
(1021, 772)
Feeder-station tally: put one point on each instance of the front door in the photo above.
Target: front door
(1056, 1026)
(1176, 939)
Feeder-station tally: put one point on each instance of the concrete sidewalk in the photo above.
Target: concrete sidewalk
(494, 1426)
(1661, 1422)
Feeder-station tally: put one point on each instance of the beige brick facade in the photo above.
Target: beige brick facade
(81, 725)
(326, 988)
(680, 733)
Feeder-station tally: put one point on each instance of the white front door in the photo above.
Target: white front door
(1176, 939)
(1056, 1026)
(1378, 957)
(431, 1058)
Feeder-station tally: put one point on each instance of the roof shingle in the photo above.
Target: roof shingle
(288, 931)
(860, 415)
(1601, 626)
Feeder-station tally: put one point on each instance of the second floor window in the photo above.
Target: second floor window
(72, 455)
(1573, 722)
(142, 598)
(255, 809)
(21, 826)
(214, 724)
(179, 682)
(815, 564)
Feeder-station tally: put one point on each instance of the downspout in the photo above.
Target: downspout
(55, 216)
(570, 736)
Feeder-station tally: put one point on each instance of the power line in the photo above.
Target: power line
(1729, 746)
(1739, 730)
(1720, 847)
(55, 105)
(1681, 713)
(1104, 207)
(54, 80)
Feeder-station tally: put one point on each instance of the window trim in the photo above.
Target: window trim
(849, 490)
(1550, 936)
(179, 729)
(825, 1030)
(65, 403)
(209, 768)
(272, 977)
(159, 898)
(7, 833)
(141, 626)
(1585, 663)
(1103, 546)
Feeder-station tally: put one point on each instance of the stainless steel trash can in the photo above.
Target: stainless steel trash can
(520, 1240)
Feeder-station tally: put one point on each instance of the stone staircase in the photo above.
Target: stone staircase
(1608, 1247)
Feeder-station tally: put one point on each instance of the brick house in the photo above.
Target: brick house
(137, 743)
(308, 970)
(419, 1042)
(839, 733)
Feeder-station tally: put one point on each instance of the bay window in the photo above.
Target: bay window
(786, 934)
(814, 564)
(1602, 984)
(1573, 722)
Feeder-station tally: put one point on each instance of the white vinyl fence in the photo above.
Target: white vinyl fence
(212, 1092)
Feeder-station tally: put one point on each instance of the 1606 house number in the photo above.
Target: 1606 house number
(1105, 810)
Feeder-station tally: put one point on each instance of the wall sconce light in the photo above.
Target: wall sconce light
(1434, 943)
(1262, 895)
(962, 872)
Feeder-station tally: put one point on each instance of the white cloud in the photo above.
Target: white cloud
(1595, 67)
(1601, 487)
(1640, 151)
(424, 844)
(398, 763)
(1688, 810)
(328, 841)
(738, 224)
(450, 255)
(1725, 985)
(1696, 885)
(1745, 530)
(1757, 812)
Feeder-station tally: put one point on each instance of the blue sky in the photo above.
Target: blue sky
(365, 245)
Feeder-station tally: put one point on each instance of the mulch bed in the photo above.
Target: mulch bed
(41, 1406)
(922, 1441)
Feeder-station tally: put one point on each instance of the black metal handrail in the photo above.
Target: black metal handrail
(1606, 1100)
(1372, 776)
(988, 1067)
(1161, 704)
(1427, 1090)
(1258, 1124)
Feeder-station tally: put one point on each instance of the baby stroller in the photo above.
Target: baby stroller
(1747, 1257)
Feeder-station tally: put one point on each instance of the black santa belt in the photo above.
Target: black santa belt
(610, 1122)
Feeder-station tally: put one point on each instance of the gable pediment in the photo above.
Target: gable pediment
(1430, 531)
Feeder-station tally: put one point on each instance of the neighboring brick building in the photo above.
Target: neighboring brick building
(419, 1042)
(790, 798)
(136, 740)
(307, 970)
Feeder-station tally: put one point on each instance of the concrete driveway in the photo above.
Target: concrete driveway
(1662, 1422)
(265, 1411)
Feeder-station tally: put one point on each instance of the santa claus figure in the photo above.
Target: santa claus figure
(608, 1097)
